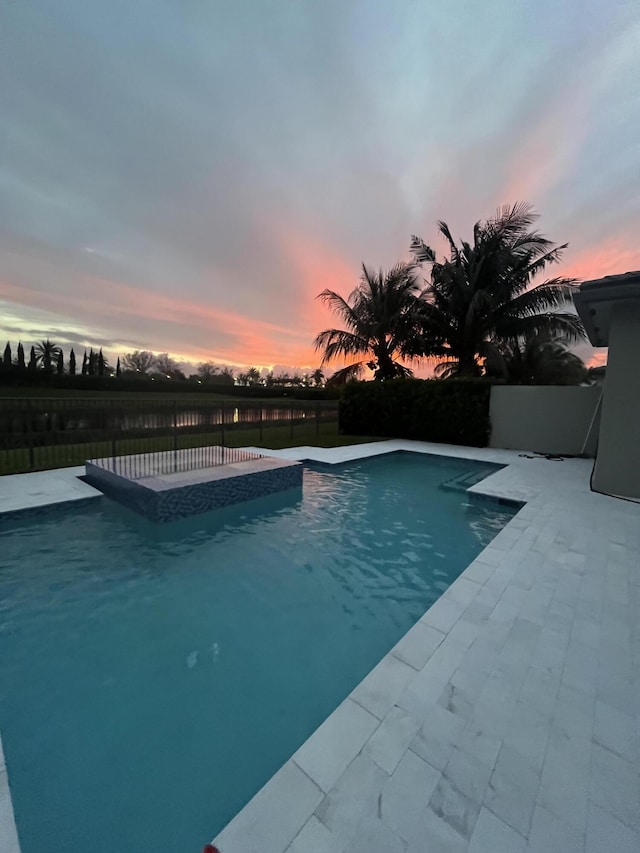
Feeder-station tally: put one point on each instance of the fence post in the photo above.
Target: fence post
(291, 418)
(114, 421)
(175, 435)
(222, 429)
(260, 423)
(30, 436)
(317, 417)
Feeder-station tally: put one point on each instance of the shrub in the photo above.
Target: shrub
(453, 411)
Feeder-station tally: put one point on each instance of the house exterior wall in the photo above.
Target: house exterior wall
(617, 470)
(544, 418)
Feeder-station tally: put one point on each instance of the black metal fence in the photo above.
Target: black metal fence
(55, 432)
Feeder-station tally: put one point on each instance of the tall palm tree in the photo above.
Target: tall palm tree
(481, 295)
(538, 361)
(380, 317)
(47, 353)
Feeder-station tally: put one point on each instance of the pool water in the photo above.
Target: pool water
(153, 678)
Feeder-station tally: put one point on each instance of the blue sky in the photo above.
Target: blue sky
(187, 175)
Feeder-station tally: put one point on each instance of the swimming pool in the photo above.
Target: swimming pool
(153, 678)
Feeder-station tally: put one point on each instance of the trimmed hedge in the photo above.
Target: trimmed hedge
(451, 411)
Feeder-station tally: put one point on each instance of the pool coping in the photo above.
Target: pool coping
(370, 725)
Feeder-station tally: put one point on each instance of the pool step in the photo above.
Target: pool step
(464, 481)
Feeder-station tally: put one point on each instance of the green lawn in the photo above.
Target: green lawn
(274, 438)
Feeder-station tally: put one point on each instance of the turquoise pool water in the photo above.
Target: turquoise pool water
(152, 678)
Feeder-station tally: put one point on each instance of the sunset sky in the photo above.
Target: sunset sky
(187, 175)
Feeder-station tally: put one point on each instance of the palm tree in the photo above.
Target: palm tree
(380, 316)
(253, 376)
(538, 361)
(317, 377)
(481, 296)
(47, 353)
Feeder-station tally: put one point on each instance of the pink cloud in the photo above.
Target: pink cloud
(612, 256)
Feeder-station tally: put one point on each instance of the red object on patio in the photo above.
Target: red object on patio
(209, 848)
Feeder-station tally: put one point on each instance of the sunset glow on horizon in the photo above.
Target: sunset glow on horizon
(187, 177)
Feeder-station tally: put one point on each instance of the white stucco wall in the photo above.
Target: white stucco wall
(544, 418)
(617, 470)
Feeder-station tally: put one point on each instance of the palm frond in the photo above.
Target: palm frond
(345, 374)
(339, 305)
(443, 228)
(553, 324)
(422, 253)
(549, 295)
(447, 369)
(338, 343)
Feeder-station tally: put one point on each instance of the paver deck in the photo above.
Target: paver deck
(24, 493)
(507, 719)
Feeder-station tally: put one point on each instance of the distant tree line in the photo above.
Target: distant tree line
(47, 359)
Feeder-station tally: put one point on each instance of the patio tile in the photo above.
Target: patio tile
(605, 832)
(391, 740)
(468, 774)
(375, 836)
(436, 739)
(462, 591)
(417, 645)
(379, 690)
(355, 796)
(314, 837)
(550, 834)
(463, 633)
(564, 786)
(492, 835)
(444, 614)
(528, 732)
(614, 786)
(406, 794)
(435, 834)
(331, 748)
(275, 816)
(479, 571)
(8, 833)
(512, 790)
(615, 731)
(455, 808)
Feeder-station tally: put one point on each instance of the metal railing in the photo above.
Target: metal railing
(141, 466)
(41, 433)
